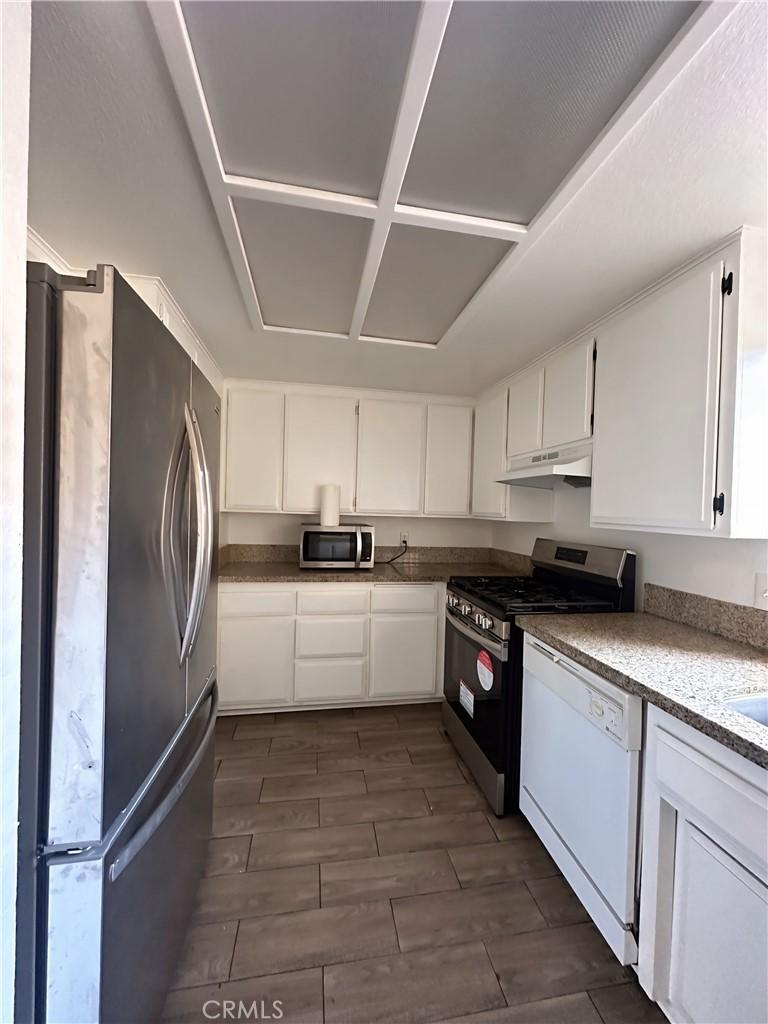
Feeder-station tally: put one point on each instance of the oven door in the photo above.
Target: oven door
(477, 681)
(331, 549)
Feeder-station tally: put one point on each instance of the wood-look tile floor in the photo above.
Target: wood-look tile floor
(356, 875)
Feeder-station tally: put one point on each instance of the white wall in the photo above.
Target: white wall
(14, 146)
(711, 566)
(252, 528)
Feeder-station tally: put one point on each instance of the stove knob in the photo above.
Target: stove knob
(486, 623)
(452, 601)
(465, 609)
(479, 619)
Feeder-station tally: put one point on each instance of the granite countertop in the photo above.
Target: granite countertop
(684, 671)
(397, 572)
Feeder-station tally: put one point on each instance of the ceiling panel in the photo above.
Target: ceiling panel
(425, 279)
(305, 264)
(303, 93)
(520, 91)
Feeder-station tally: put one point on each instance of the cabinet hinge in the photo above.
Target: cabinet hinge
(726, 285)
(718, 504)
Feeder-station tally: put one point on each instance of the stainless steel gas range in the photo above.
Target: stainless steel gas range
(484, 649)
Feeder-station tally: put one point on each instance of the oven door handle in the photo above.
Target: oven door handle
(498, 647)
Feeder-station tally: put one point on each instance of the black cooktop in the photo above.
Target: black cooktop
(515, 595)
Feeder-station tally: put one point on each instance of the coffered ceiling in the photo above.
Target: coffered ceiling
(535, 190)
(372, 163)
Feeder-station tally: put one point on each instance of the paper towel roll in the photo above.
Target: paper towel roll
(330, 497)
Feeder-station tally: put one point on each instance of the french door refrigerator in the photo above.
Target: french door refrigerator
(118, 650)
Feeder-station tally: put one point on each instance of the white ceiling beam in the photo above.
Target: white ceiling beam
(277, 329)
(242, 187)
(427, 40)
(465, 224)
(403, 342)
(171, 29)
(692, 37)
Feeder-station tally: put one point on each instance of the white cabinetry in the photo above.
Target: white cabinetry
(404, 640)
(680, 409)
(526, 412)
(568, 374)
(256, 642)
(390, 456)
(253, 457)
(489, 499)
(320, 448)
(704, 897)
(449, 460)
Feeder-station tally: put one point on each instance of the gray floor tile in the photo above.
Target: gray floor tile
(357, 881)
(363, 719)
(409, 803)
(312, 938)
(236, 791)
(557, 901)
(207, 954)
(315, 743)
(240, 748)
(409, 736)
(265, 767)
(435, 833)
(516, 860)
(626, 1004)
(555, 962)
(442, 754)
(303, 787)
(312, 846)
(227, 856)
(448, 918)
(334, 762)
(573, 1009)
(256, 894)
(275, 725)
(452, 799)
(239, 819)
(511, 826)
(425, 777)
(225, 728)
(298, 995)
(411, 987)
(413, 714)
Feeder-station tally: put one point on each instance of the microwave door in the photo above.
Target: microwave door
(329, 549)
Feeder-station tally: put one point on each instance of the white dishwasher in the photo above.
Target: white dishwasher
(579, 785)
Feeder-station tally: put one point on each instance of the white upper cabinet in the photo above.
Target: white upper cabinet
(489, 499)
(320, 447)
(449, 460)
(568, 394)
(390, 456)
(253, 463)
(680, 409)
(526, 412)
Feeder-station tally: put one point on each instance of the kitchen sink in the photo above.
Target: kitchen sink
(753, 705)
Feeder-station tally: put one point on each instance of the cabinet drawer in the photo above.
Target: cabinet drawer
(237, 603)
(331, 637)
(336, 601)
(408, 597)
(329, 678)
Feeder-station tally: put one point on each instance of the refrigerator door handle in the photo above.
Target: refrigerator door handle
(200, 582)
(170, 554)
(206, 536)
(134, 846)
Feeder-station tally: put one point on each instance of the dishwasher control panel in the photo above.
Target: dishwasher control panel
(605, 713)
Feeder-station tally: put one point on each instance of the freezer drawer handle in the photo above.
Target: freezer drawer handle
(498, 647)
(136, 844)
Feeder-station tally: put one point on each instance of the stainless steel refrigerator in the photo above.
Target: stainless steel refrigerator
(118, 650)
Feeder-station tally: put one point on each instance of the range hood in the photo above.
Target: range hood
(573, 465)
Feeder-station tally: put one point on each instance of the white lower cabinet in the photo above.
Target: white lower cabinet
(315, 643)
(704, 896)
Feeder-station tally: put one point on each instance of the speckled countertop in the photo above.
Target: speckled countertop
(684, 671)
(403, 572)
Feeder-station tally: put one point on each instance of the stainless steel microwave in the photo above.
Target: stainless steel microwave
(349, 546)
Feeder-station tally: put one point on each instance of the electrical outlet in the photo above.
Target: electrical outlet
(761, 590)
(403, 537)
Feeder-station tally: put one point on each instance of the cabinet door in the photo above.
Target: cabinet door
(320, 445)
(568, 394)
(719, 945)
(489, 499)
(390, 456)
(403, 655)
(255, 661)
(449, 460)
(253, 469)
(656, 399)
(526, 412)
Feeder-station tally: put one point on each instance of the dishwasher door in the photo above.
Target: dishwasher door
(581, 740)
